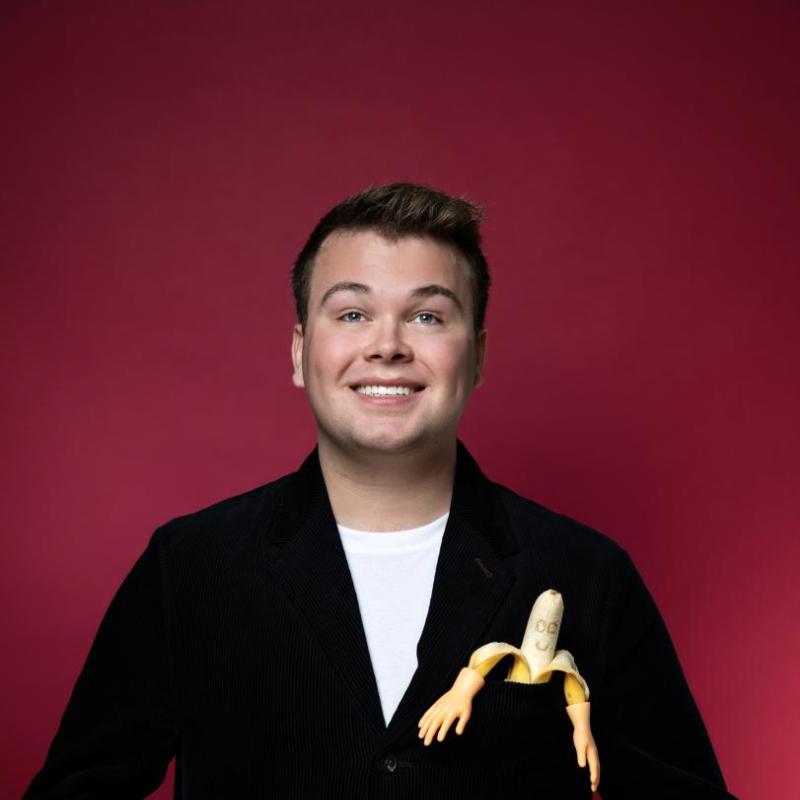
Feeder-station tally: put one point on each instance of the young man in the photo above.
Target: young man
(286, 642)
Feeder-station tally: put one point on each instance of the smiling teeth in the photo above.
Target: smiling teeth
(389, 391)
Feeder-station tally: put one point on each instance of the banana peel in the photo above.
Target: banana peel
(534, 662)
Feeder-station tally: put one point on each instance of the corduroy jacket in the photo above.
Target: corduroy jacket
(235, 644)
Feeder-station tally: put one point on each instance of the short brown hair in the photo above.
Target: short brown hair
(396, 210)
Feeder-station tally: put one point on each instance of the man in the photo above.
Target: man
(285, 643)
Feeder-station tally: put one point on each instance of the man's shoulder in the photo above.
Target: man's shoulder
(537, 527)
(224, 520)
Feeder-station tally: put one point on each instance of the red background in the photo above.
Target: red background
(163, 163)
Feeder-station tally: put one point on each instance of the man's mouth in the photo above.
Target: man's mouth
(371, 390)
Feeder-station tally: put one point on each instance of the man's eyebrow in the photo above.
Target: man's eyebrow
(431, 290)
(344, 286)
(434, 289)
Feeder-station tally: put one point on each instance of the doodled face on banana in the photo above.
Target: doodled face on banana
(547, 635)
(541, 632)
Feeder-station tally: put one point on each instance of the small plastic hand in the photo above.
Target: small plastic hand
(455, 704)
(584, 741)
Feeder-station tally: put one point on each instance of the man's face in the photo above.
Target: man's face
(389, 355)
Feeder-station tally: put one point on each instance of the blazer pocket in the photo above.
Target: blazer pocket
(528, 732)
(540, 703)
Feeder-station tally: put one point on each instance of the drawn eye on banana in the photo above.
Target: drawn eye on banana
(533, 662)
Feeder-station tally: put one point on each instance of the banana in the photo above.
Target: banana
(534, 662)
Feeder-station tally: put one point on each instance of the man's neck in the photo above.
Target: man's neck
(388, 492)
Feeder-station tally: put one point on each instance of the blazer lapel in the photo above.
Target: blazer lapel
(306, 555)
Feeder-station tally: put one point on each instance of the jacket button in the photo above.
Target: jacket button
(389, 764)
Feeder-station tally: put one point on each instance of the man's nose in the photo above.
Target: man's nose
(388, 344)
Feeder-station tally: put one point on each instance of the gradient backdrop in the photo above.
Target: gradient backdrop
(162, 163)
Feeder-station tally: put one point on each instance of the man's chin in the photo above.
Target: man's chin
(388, 445)
(383, 443)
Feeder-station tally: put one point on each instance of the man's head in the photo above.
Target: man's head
(391, 293)
(396, 210)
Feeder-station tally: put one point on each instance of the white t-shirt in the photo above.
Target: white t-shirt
(393, 576)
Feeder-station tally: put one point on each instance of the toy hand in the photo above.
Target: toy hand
(584, 741)
(453, 704)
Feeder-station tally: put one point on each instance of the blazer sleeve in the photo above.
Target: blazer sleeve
(650, 735)
(119, 730)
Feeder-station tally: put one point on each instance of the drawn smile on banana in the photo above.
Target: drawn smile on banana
(534, 662)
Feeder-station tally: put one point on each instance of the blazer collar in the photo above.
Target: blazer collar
(306, 555)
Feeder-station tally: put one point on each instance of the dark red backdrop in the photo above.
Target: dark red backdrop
(162, 164)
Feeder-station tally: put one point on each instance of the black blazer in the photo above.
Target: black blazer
(236, 644)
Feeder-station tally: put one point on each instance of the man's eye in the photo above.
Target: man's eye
(427, 318)
(352, 316)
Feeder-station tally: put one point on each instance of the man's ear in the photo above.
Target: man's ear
(297, 356)
(480, 357)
